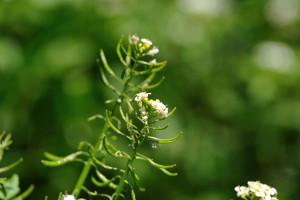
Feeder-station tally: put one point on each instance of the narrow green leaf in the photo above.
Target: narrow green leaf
(128, 54)
(50, 156)
(4, 169)
(2, 135)
(149, 87)
(70, 158)
(130, 108)
(139, 73)
(27, 192)
(98, 162)
(105, 181)
(125, 118)
(142, 157)
(133, 194)
(160, 128)
(96, 116)
(105, 64)
(148, 79)
(119, 51)
(171, 113)
(110, 101)
(165, 141)
(114, 128)
(105, 81)
(107, 67)
(160, 66)
(136, 179)
(167, 172)
(119, 154)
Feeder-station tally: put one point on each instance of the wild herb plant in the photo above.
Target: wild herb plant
(133, 116)
(9, 187)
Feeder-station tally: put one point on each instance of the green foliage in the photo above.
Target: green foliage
(9, 187)
(134, 123)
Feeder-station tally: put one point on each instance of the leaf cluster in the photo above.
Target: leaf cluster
(9, 187)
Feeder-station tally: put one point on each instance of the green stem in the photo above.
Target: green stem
(86, 169)
(88, 164)
(123, 178)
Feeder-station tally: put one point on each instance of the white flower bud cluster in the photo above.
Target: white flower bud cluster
(144, 44)
(159, 107)
(256, 189)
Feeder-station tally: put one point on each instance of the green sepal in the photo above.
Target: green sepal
(142, 157)
(149, 87)
(4, 169)
(165, 141)
(113, 127)
(70, 158)
(105, 81)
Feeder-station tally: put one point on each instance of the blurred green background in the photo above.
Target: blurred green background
(233, 74)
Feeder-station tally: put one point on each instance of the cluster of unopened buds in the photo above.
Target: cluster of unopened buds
(159, 107)
(143, 45)
(256, 190)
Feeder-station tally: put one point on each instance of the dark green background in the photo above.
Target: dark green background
(233, 74)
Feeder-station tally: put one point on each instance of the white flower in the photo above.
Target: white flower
(242, 191)
(152, 62)
(153, 51)
(68, 197)
(162, 110)
(272, 191)
(145, 117)
(262, 190)
(140, 96)
(135, 39)
(146, 42)
(164, 113)
(156, 104)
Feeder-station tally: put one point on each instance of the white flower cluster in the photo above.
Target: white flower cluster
(256, 189)
(159, 107)
(144, 44)
(68, 197)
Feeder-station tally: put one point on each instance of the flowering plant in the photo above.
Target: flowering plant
(135, 123)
